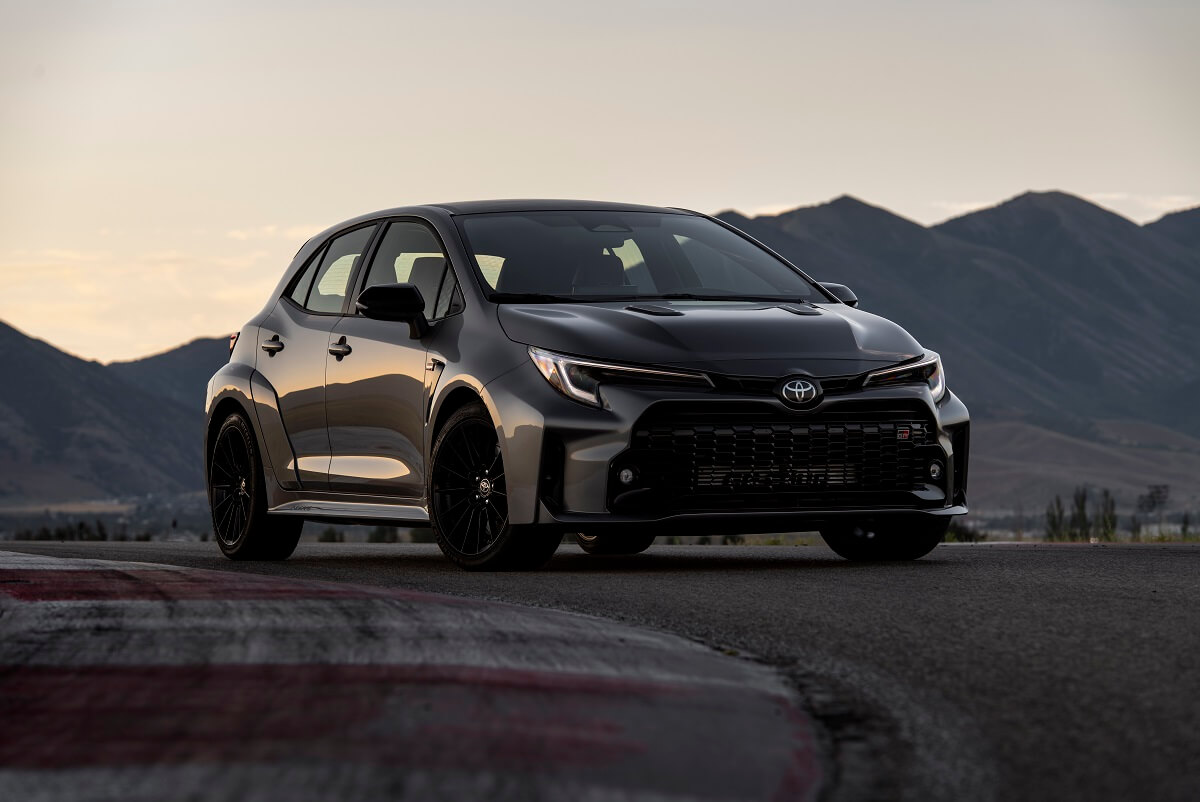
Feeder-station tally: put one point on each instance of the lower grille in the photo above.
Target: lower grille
(757, 459)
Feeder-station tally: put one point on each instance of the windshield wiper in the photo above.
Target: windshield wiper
(547, 298)
(691, 296)
(532, 297)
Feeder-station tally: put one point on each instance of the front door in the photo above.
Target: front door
(375, 373)
(294, 342)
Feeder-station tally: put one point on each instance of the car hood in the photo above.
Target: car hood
(732, 338)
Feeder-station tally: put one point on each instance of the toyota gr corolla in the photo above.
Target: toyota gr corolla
(510, 371)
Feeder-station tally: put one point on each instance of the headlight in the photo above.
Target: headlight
(928, 371)
(580, 379)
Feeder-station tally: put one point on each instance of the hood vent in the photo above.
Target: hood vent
(657, 311)
(798, 309)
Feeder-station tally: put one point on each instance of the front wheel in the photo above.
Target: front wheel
(238, 498)
(468, 500)
(881, 541)
(613, 544)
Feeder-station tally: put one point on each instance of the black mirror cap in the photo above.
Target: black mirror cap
(399, 302)
(841, 292)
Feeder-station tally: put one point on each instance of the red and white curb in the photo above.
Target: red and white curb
(133, 681)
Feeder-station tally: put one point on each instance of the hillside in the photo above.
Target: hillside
(180, 374)
(73, 429)
(1125, 327)
(1182, 227)
(1016, 464)
(1046, 308)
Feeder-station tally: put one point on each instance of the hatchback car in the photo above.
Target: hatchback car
(508, 372)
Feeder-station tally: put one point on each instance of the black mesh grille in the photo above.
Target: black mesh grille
(772, 460)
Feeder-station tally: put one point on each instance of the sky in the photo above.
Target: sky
(160, 163)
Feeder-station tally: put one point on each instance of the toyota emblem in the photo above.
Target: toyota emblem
(799, 391)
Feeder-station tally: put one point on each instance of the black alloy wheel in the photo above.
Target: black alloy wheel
(237, 496)
(469, 499)
(468, 488)
(230, 480)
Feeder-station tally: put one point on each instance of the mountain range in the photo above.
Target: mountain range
(75, 429)
(1045, 308)
(1069, 331)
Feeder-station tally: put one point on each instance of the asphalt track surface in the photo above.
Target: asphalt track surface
(135, 681)
(980, 672)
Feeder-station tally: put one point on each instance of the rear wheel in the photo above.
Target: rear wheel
(613, 544)
(885, 540)
(238, 498)
(468, 500)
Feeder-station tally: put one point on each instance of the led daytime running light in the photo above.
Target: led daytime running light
(579, 379)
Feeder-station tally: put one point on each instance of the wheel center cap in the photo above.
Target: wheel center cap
(485, 487)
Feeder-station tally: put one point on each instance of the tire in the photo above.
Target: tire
(614, 544)
(237, 496)
(468, 500)
(885, 541)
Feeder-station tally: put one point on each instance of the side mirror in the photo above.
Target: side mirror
(842, 293)
(400, 302)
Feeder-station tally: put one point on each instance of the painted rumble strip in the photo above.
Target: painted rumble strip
(132, 681)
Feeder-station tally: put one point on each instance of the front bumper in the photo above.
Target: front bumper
(733, 462)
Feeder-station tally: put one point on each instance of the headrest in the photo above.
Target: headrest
(426, 273)
(599, 270)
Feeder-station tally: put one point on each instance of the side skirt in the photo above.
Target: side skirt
(353, 511)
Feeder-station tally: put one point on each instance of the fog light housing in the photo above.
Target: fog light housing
(626, 476)
(935, 470)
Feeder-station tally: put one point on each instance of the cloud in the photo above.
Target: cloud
(167, 256)
(66, 255)
(296, 234)
(1142, 207)
(956, 208)
(242, 261)
(173, 294)
(772, 209)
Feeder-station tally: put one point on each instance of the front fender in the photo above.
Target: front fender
(520, 442)
(250, 389)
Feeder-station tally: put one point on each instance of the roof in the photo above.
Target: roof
(543, 205)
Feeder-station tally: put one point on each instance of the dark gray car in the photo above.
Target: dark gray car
(510, 371)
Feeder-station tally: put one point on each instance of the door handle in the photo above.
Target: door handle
(273, 345)
(339, 349)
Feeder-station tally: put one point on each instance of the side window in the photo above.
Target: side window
(410, 254)
(299, 290)
(490, 266)
(634, 265)
(450, 299)
(328, 291)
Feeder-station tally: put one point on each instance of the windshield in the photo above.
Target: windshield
(586, 256)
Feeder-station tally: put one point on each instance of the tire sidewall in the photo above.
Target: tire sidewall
(242, 545)
(493, 556)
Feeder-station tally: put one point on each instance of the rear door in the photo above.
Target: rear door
(295, 342)
(375, 386)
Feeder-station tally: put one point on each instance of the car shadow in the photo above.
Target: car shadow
(778, 559)
(569, 559)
